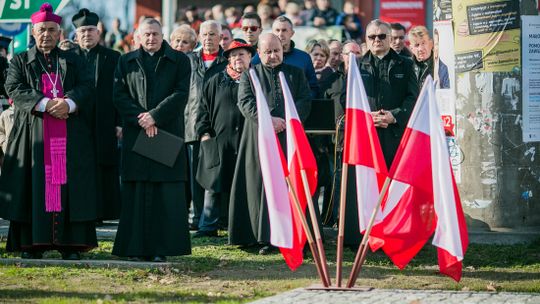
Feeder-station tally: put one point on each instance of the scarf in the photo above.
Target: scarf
(234, 74)
(54, 146)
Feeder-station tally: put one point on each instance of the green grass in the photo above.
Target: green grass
(219, 273)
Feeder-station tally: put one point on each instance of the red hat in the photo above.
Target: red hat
(239, 45)
(45, 14)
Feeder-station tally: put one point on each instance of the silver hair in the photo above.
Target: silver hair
(213, 24)
(379, 23)
(148, 21)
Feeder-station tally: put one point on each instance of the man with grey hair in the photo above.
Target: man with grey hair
(47, 186)
(392, 89)
(150, 93)
(206, 62)
(101, 62)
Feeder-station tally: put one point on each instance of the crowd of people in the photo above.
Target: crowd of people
(89, 130)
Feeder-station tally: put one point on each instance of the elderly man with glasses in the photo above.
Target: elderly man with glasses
(392, 90)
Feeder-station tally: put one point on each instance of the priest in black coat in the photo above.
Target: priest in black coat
(101, 63)
(47, 187)
(248, 213)
(150, 93)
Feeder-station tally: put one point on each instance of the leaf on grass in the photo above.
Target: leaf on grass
(465, 288)
(491, 287)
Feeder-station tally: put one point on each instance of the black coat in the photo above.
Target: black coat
(165, 105)
(395, 91)
(199, 74)
(22, 183)
(106, 117)
(248, 214)
(3, 73)
(220, 117)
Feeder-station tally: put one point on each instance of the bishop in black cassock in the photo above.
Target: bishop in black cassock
(47, 187)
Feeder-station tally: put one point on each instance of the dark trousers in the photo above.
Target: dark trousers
(197, 192)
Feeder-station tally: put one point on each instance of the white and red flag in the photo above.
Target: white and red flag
(423, 198)
(273, 172)
(299, 157)
(362, 147)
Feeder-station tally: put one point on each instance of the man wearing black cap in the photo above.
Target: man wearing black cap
(101, 63)
(219, 126)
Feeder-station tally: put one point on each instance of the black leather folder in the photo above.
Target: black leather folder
(162, 148)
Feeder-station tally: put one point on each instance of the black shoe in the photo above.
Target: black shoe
(268, 249)
(193, 227)
(31, 254)
(201, 233)
(159, 259)
(71, 255)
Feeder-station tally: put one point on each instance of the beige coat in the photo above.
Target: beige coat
(6, 124)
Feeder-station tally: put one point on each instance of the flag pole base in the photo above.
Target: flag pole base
(334, 288)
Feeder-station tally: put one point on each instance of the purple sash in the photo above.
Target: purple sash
(54, 146)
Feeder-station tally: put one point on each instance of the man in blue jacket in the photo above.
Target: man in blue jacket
(283, 29)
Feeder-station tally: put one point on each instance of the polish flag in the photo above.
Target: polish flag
(362, 147)
(272, 169)
(423, 198)
(300, 157)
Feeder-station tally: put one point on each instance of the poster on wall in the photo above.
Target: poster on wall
(487, 35)
(406, 12)
(443, 53)
(442, 10)
(531, 78)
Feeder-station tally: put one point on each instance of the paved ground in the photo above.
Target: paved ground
(384, 296)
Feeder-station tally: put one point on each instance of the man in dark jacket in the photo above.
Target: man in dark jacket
(391, 87)
(325, 14)
(397, 40)
(150, 93)
(392, 90)
(204, 64)
(47, 186)
(101, 63)
(248, 215)
(219, 126)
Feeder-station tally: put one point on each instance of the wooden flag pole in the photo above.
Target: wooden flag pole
(341, 232)
(309, 237)
(315, 225)
(362, 249)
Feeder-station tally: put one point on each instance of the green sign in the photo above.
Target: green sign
(21, 10)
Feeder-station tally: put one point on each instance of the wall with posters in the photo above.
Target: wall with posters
(499, 172)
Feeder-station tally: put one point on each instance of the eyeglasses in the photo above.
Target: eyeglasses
(380, 36)
(251, 28)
